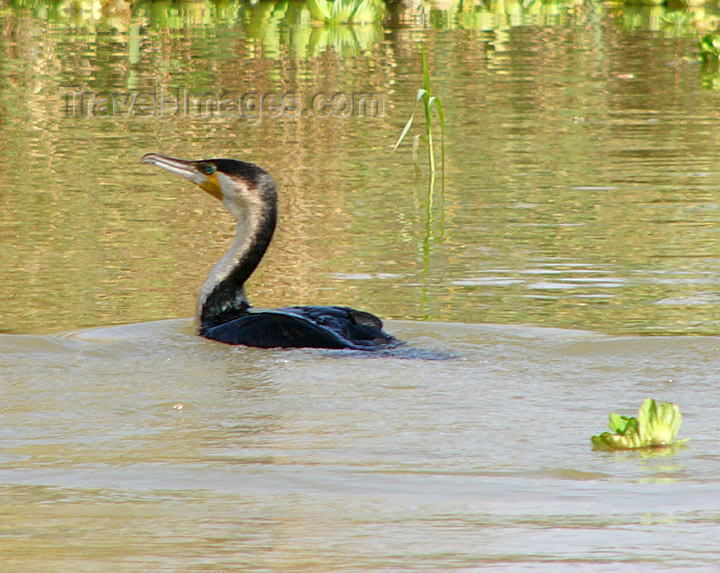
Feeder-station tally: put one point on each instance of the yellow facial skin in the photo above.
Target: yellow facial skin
(212, 186)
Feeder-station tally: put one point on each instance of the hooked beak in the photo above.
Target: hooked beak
(187, 169)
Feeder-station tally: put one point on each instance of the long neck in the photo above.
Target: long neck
(222, 297)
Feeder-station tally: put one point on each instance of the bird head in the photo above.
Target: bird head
(239, 185)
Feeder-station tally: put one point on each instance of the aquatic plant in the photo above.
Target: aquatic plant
(346, 11)
(429, 101)
(654, 426)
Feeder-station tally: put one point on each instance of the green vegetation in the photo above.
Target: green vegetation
(347, 11)
(655, 426)
(429, 101)
(709, 48)
(709, 56)
(304, 28)
(673, 19)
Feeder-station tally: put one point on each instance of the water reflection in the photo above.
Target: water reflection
(579, 190)
(278, 26)
(268, 20)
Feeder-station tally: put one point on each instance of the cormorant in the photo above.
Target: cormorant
(224, 313)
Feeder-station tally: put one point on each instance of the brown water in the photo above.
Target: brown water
(143, 447)
(578, 214)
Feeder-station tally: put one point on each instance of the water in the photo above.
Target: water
(144, 446)
(569, 264)
(580, 189)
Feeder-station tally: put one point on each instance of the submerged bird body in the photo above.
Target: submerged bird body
(250, 195)
(303, 327)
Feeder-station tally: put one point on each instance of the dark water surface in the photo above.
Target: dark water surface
(579, 213)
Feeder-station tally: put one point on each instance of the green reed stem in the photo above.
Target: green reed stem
(429, 101)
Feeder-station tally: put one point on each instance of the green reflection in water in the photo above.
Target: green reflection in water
(279, 25)
(347, 11)
(581, 187)
(670, 20)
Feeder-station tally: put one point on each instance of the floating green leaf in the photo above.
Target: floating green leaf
(655, 426)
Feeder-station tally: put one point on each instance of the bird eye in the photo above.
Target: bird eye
(207, 168)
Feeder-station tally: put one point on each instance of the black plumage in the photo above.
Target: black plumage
(224, 312)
